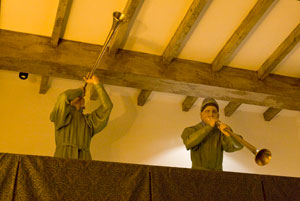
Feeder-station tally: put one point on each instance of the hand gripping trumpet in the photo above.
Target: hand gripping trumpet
(262, 157)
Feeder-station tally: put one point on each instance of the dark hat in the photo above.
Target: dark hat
(209, 102)
(74, 93)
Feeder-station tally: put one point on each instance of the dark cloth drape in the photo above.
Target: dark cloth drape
(8, 175)
(25, 177)
(189, 184)
(281, 188)
(48, 178)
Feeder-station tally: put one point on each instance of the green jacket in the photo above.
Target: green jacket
(73, 129)
(207, 145)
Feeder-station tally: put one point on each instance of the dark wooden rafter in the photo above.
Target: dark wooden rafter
(224, 56)
(143, 97)
(188, 103)
(58, 29)
(62, 14)
(45, 84)
(72, 60)
(182, 31)
(231, 107)
(270, 113)
(118, 40)
(178, 39)
(280, 53)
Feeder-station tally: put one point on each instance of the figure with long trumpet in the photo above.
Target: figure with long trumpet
(73, 129)
(207, 141)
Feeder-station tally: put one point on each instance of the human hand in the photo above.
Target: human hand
(93, 80)
(224, 128)
(210, 121)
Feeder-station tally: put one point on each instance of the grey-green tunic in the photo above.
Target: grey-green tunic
(207, 145)
(73, 129)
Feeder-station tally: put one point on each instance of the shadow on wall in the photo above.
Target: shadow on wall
(137, 134)
(117, 128)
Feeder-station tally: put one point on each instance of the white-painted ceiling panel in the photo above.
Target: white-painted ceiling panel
(277, 24)
(90, 20)
(218, 23)
(28, 16)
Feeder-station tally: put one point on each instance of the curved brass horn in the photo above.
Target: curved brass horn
(118, 19)
(262, 156)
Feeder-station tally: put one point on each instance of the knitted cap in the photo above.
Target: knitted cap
(74, 93)
(209, 102)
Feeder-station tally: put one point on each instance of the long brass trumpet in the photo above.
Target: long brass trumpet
(118, 18)
(262, 157)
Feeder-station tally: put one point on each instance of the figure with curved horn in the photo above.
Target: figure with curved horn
(208, 139)
(73, 129)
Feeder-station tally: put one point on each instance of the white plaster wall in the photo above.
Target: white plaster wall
(143, 135)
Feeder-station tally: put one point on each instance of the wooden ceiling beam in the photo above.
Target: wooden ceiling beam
(182, 31)
(188, 103)
(256, 13)
(178, 39)
(61, 19)
(45, 84)
(72, 60)
(143, 97)
(280, 53)
(270, 113)
(231, 107)
(118, 40)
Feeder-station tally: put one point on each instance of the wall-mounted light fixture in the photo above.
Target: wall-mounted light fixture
(23, 76)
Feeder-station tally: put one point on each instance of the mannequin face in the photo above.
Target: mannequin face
(78, 103)
(209, 112)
